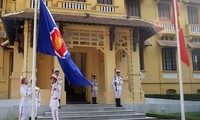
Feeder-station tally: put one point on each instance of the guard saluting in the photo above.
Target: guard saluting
(25, 99)
(117, 85)
(94, 89)
(54, 103)
(59, 83)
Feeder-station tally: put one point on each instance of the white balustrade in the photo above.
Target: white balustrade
(32, 3)
(170, 75)
(168, 26)
(107, 8)
(195, 28)
(74, 5)
(196, 75)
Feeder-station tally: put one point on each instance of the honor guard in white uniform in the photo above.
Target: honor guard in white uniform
(37, 101)
(94, 89)
(117, 85)
(59, 83)
(54, 103)
(25, 92)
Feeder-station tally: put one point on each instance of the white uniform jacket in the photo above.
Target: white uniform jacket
(59, 81)
(94, 84)
(54, 96)
(25, 93)
(117, 83)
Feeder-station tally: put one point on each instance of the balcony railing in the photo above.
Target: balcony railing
(170, 75)
(167, 26)
(194, 29)
(64, 5)
(74, 5)
(196, 75)
(106, 8)
(32, 3)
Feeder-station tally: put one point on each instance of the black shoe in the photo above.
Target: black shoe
(93, 100)
(116, 101)
(30, 118)
(119, 103)
(59, 104)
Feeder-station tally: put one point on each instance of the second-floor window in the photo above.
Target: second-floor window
(104, 2)
(196, 60)
(164, 11)
(133, 7)
(169, 58)
(193, 15)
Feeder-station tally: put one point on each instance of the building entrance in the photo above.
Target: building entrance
(77, 94)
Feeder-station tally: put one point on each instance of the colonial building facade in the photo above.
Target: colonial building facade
(103, 35)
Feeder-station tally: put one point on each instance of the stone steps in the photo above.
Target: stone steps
(100, 117)
(87, 113)
(95, 112)
(88, 105)
(92, 109)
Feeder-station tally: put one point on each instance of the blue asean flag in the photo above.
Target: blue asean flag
(50, 42)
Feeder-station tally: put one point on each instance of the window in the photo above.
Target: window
(196, 39)
(164, 11)
(169, 38)
(171, 91)
(169, 58)
(193, 15)
(196, 60)
(133, 7)
(141, 58)
(104, 2)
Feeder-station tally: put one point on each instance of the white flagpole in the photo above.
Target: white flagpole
(179, 63)
(34, 62)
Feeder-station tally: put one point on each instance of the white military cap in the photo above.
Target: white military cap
(117, 71)
(22, 79)
(94, 75)
(56, 70)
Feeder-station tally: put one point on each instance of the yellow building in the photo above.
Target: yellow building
(103, 35)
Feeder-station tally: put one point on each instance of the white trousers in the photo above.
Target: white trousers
(59, 94)
(36, 108)
(23, 112)
(118, 93)
(54, 111)
(94, 93)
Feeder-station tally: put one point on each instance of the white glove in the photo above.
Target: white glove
(38, 104)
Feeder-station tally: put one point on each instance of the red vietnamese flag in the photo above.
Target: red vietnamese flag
(183, 51)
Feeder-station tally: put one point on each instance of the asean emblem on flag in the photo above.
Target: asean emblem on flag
(58, 43)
